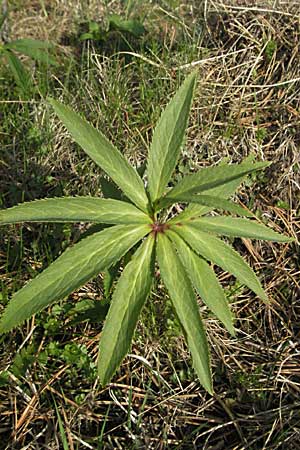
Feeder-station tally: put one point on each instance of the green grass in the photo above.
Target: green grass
(256, 373)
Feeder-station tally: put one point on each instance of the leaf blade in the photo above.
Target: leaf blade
(223, 192)
(74, 209)
(103, 152)
(186, 307)
(127, 301)
(27, 42)
(205, 281)
(71, 270)
(35, 49)
(214, 203)
(19, 72)
(167, 138)
(135, 27)
(217, 251)
(237, 227)
(209, 178)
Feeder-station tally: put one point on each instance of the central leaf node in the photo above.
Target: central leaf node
(158, 227)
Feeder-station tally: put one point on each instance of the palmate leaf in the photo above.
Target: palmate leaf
(71, 270)
(214, 203)
(185, 304)
(236, 227)
(127, 301)
(208, 178)
(167, 139)
(98, 147)
(220, 253)
(204, 281)
(74, 209)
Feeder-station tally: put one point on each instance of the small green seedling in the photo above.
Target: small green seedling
(115, 24)
(35, 49)
(182, 246)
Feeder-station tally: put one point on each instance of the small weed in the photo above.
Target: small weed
(115, 24)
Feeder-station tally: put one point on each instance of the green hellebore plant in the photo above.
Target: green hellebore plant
(181, 246)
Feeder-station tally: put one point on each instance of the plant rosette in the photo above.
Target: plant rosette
(182, 247)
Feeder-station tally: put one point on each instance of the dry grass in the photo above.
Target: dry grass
(248, 101)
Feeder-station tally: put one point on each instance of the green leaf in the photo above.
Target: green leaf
(208, 178)
(167, 139)
(86, 36)
(19, 44)
(214, 203)
(94, 311)
(19, 72)
(223, 191)
(23, 360)
(185, 304)
(62, 432)
(94, 27)
(37, 50)
(217, 251)
(232, 226)
(134, 27)
(128, 299)
(204, 281)
(61, 427)
(74, 209)
(97, 146)
(70, 271)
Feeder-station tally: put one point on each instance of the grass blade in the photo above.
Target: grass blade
(71, 270)
(74, 209)
(217, 251)
(167, 139)
(98, 147)
(204, 281)
(185, 304)
(63, 434)
(236, 227)
(127, 301)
